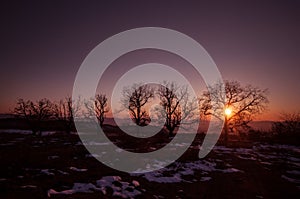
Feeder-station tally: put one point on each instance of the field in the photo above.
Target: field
(57, 165)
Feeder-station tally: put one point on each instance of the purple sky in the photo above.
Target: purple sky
(44, 43)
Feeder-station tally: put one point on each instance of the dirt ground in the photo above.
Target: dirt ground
(43, 167)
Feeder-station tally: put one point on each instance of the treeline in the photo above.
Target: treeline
(284, 131)
(176, 106)
(37, 113)
(236, 103)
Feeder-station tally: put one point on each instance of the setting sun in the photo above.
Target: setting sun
(228, 111)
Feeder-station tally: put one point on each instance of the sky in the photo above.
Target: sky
(45, 42)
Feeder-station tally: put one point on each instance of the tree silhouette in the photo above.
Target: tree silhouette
(99, 106)
(289, 124)
(176, 105)
(65, 110)
(34, 113)
(244, 102)
(134, 99)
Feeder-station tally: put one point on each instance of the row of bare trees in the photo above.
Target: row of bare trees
(35, 113)
(176, 105)
(244, 102)
(174, 101)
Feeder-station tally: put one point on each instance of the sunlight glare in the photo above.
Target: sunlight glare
(227, 111)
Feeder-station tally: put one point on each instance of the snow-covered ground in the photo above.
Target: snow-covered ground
(286, 157)
(26, 132)
(178, 172)
(119, 188)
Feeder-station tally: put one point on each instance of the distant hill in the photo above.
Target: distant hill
(257, 125)
(261, 125)
(6, 115)
(8, 121)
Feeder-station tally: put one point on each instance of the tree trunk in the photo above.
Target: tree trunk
(226, 131)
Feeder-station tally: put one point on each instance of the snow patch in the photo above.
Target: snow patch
(77, 188)
(120, 188)
(290, 179)
(93, 143)
(177, 171)
(52, 157)
(76, 169)
(28, 187)
(94, 155)
(294, 172)
(204, 179)
(19, 131)
(158, 177)
(47, 172)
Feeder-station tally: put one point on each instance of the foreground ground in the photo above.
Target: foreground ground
(59, 166)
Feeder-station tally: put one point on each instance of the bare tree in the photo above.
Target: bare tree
(289, 124)
(240, 104)
(176, 105)
(34, 113)
(99, 106)
(65, 110)
(134, 99)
